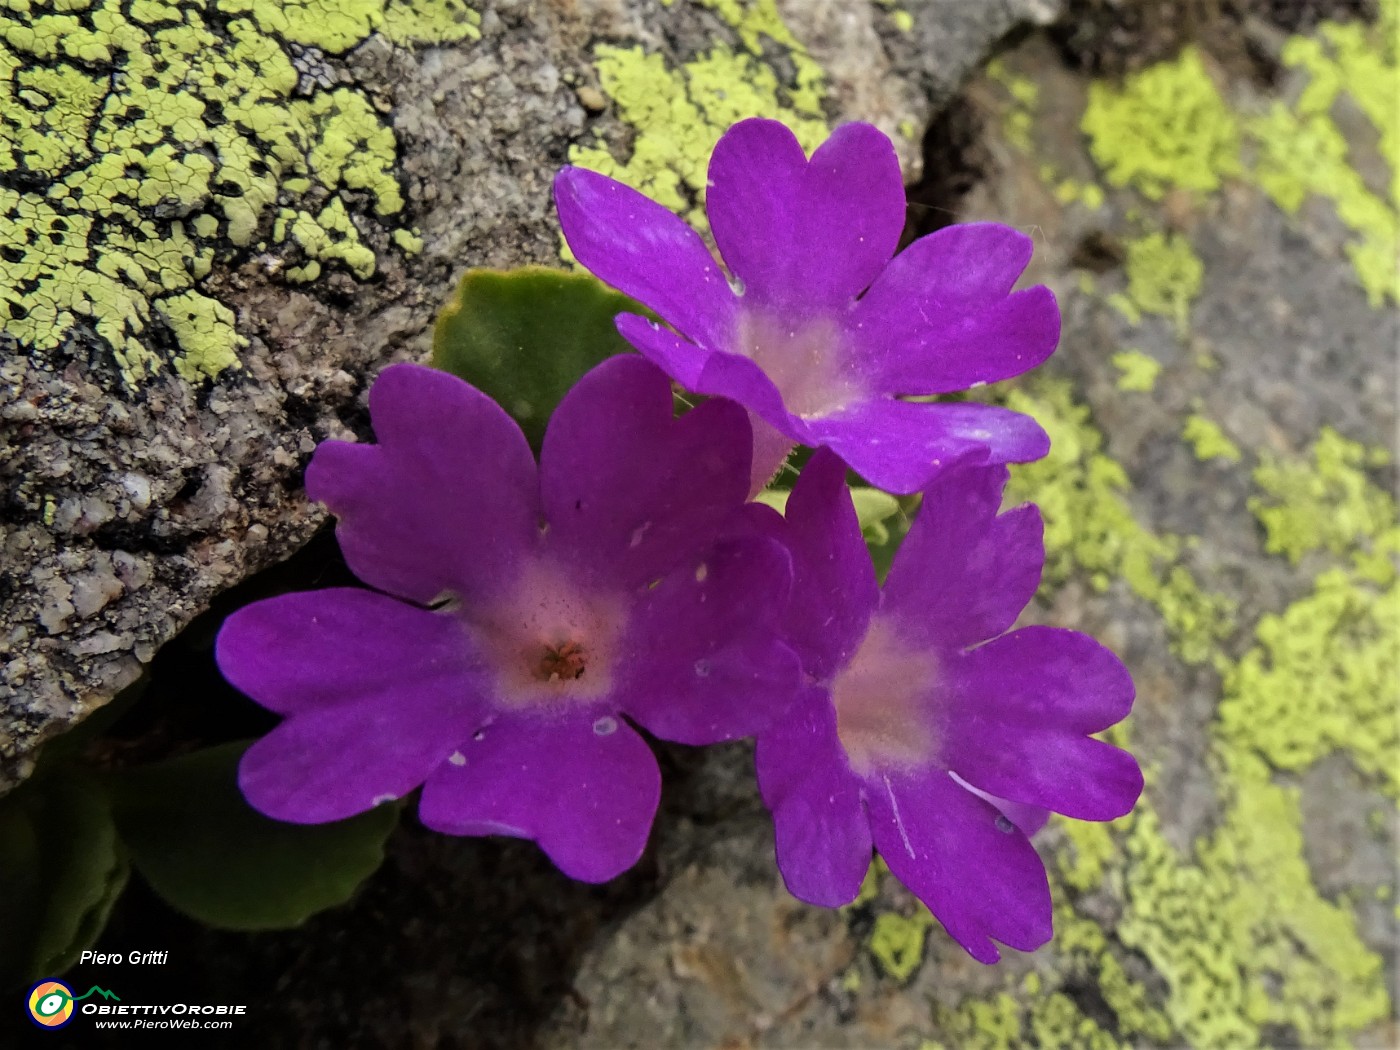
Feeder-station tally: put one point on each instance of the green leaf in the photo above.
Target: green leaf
(208, 853)
(526, 336)
(873, 509)
(61, 870)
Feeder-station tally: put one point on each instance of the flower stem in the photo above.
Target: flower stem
(770, 451)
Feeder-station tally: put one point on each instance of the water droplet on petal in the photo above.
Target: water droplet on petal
(457, 758)
(479, 735)
(737, 286)
(702, 668)
(1003, 825)
(379, 800)
(605, 726)
(655, 325)
(701, 573)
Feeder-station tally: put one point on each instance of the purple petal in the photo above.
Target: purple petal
(941, 317)
(585, 789)
(1020, 709)
(449, 464)
(376, 690)
(851, 215)
(963, 574)
(337, 647)
(629, 490)
(679, 358)
(755, 181)
(900, 445)
(643, 250)
(820, 826)
(973, 867)
(834, 586)
(702, 659)
(1029, 819)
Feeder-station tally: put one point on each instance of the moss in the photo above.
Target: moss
(1164, 276)
(679, 113)
(1090, 526)
(1167, 127)
(1137, 372)
(1208, 441)
(142, 140)
(1326, 504)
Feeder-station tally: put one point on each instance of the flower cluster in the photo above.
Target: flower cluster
(526, 619)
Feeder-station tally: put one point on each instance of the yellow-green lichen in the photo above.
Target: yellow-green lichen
(1090, 526)
(1240, 932)
(1324, 676)
(1169, 127)
(139, 140)
(679, 113)
(902, 19)
(1165, 128)
(897, 941)
(1018, 117)
(1235, 931)
(1164, 278)
(1208, 441)
(1070, 191)
(1326, 504)
(1302, 152)
(1137, 372)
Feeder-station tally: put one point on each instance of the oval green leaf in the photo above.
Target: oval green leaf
(526, 336)
(61, 870)
(209, 854)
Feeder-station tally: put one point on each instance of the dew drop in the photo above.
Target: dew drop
(639, 533)
(702, 572)
(1003, 825)
(479, 735)
(737, 286)
(702, 668)
(457, 758)
(655, 325)
(379, 800)
(605, 726)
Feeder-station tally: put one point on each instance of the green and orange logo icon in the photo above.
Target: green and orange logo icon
(51, 1002)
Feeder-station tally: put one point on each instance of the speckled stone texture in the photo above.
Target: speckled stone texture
(131, 499)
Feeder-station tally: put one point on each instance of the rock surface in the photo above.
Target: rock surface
(205, 265)
(1220, 228)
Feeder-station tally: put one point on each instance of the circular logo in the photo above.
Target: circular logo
(51, 1004)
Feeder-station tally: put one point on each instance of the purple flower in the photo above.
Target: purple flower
(819, 329)
(524, 612)
(915, 719)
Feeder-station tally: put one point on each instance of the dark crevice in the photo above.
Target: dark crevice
(954, 161)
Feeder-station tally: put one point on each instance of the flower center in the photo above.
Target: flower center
(561, 662)
(881, 698)
(802, 358)
(548, 640)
